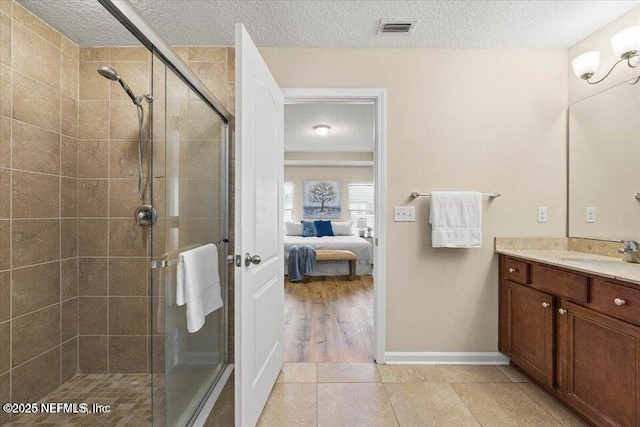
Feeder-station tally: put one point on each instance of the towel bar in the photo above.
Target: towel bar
(492, 196)
(161, 263)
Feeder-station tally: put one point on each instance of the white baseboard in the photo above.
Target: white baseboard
(446, 358)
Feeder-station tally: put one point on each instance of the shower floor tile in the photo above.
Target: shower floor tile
(128, 396)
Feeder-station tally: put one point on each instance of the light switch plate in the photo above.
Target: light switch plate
(590, 214)
(404, 213)
(542, 214)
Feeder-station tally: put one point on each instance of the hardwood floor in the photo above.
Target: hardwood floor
(329, 320)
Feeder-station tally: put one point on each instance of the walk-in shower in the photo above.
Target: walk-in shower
(89, 314)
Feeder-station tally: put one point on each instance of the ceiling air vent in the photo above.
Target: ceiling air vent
(395, 26)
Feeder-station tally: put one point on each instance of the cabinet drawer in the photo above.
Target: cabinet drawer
(616, 300)
(516, 271)
(566, 285)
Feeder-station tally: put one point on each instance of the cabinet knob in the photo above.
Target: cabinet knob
(546, 304)
(619, 301)
(512, 270)
(562, 311)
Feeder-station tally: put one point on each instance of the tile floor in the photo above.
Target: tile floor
(369, 395)
(128, 395)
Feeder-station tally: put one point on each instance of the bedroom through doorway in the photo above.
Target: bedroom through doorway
(329, 200)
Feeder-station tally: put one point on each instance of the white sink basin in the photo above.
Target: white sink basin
(599, 263)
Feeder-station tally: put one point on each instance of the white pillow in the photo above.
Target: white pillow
(292, 228)
(342, 228)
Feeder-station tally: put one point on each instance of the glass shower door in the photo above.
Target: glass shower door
(190, 194)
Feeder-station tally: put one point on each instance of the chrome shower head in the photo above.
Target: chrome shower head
(111, 74)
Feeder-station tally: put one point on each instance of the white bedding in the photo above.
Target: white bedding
(359, 246)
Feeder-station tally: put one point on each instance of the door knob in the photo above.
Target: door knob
(562, 311)
(248, 259)
(619, 301)
(513, 270)
(546, 304)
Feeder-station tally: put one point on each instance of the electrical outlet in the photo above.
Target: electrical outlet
(590, 214)
(542, 214)
(404, 213)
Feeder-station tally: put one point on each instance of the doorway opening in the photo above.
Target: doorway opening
(333, 203)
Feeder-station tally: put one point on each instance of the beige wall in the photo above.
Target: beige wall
(486, 120)
(346, 175)
(38, 207)
(601, 40)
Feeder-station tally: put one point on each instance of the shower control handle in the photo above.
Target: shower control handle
(248, 259)
(145, 215)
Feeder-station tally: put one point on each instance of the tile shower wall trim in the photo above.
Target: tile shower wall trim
(38, 241)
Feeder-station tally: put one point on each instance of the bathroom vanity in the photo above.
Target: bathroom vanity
(571, 322)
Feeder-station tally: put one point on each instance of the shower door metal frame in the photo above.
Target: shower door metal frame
(138, 26)
(129, 16)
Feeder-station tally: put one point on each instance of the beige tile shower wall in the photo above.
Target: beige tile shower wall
(38, 208)
(113, 309)
(601, 41)
(113, 286)
(486, 120)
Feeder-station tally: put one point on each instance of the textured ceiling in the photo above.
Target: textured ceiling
(441, 24)
(351, 127)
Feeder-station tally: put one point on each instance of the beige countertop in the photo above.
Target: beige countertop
(614, 268)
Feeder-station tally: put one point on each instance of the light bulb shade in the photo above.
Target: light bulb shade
(361, 223)
(625, 41)
(586, 64)
(322, 130)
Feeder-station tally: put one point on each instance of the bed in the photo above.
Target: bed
(359, 246)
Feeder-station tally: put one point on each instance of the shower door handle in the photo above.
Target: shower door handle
(248, 260)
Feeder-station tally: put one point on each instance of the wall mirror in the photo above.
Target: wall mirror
(604, 165)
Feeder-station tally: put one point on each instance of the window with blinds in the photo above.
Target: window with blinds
(288, 200)
(361, 203)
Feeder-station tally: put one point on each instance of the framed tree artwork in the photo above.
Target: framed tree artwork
(322, 199)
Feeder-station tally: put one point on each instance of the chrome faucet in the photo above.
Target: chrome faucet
(631, 251)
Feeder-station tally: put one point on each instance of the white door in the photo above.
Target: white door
(259, 351)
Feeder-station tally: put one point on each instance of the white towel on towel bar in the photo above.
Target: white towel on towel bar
(198, 284)
(456, 219)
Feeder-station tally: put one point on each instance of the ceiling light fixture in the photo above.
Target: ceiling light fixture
(625, 44)
(322, 130)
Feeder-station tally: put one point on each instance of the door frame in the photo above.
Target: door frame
(378, 97)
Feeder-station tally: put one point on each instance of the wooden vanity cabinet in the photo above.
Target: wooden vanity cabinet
(528, 337)
(582, 348)
(602, 367)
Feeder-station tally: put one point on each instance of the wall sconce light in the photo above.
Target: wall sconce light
(322, 130)
(625, 44)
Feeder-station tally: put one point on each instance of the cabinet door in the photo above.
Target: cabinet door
(528, 330)
(603, 367)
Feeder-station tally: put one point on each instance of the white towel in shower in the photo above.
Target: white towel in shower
(456, 219)
(198, 284)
